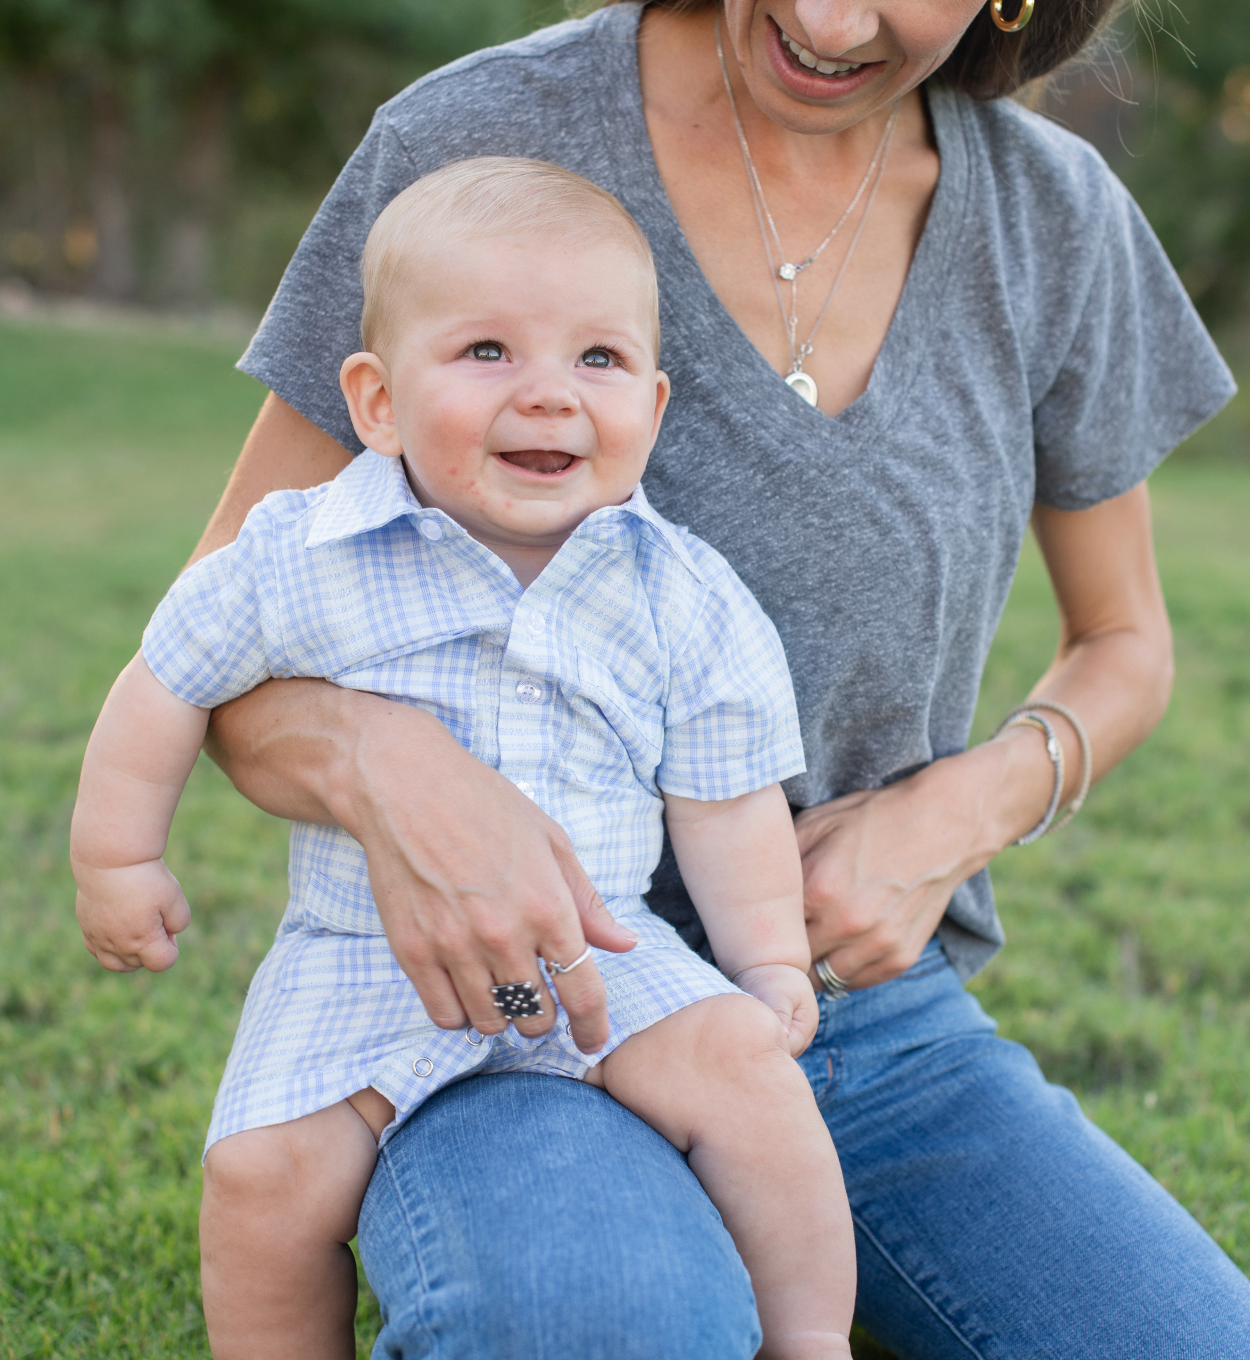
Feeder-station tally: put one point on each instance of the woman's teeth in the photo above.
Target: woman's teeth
(815, 63)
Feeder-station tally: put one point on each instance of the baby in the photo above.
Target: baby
(492, 559)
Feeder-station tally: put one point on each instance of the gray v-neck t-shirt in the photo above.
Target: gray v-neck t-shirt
(1043, 350)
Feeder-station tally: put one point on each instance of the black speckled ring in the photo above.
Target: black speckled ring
(517, 999)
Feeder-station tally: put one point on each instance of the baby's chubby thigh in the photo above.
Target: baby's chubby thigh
(280, 1204)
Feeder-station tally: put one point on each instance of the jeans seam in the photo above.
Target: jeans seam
(418, 1269)
(915, 1288)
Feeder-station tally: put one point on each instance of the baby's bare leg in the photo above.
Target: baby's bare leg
(716, 1079)
(280, 1206)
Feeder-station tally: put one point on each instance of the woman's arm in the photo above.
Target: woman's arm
(880, 866)
(471, 878)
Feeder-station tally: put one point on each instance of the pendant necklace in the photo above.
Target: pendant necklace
(780, 268)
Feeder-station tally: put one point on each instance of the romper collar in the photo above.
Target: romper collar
(372, 491)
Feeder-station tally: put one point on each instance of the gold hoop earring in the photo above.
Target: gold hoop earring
(1012, 25)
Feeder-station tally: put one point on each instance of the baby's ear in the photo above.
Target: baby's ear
(366, 384)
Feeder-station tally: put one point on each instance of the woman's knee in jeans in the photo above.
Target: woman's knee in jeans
(707, 1313)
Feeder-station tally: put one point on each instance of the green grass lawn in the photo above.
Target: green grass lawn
(1129, 957)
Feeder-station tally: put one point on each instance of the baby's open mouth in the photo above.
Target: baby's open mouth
(539, 460)
(800, 56)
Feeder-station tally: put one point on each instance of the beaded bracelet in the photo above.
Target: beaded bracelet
(1026, 714)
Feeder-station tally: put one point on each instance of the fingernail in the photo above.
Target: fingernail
(629, 935)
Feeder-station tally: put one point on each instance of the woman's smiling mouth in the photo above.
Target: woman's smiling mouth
(801, 56)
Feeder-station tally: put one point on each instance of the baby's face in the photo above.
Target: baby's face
(524, 392)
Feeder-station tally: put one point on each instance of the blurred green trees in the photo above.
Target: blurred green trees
(173, 150)
(1183, 145)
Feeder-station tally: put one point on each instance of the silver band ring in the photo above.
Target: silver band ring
(834, 987)
(517, 999)
(558, 968)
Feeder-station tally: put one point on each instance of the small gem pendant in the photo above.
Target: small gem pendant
(803, 385)
(789, 272)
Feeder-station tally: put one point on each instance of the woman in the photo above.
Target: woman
(1006, 341)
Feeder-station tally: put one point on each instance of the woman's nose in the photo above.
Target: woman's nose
(837, 26)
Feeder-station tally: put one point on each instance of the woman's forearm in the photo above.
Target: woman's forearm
(1113, 666)
(294, 747)
(880, 865)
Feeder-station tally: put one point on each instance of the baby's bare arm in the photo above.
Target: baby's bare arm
(740, 862)
(144, 744)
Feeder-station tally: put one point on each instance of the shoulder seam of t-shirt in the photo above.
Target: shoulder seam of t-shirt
(541, 45)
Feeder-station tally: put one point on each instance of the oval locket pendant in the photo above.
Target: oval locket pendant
(803, 385)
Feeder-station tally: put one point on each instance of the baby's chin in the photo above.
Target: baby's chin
(535, 521)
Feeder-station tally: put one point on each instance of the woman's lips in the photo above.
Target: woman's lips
(544, 461)
(805, 76)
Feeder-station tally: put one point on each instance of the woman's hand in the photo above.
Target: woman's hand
(879, 867)
(473, 881)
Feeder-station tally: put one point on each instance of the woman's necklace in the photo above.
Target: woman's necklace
(780, 268)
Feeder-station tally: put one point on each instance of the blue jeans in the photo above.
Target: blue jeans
(532, 1216)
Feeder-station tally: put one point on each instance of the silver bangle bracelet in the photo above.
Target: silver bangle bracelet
(1087, 752)
(1026, 717)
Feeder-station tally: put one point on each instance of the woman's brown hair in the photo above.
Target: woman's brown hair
(987, 63)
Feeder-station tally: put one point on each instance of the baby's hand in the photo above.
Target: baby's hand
(130, 915)
(787, 991)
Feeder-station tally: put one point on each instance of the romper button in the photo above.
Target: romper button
(525, 787)
(431, 529)
(422, 1067)
(537, 624)
(469, 1033)
(528, 692)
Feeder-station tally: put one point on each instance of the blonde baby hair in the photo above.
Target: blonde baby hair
(489, 196)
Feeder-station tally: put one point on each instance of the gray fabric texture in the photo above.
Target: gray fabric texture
(1043, 350)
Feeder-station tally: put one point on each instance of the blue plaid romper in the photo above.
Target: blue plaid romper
(636, 662)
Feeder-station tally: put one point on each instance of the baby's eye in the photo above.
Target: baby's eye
(486, 349)
(598, 358)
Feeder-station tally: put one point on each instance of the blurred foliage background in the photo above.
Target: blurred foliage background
(171, 152)
(168, 154)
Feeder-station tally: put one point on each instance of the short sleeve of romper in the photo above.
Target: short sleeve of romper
(211, 638)
(731, 726)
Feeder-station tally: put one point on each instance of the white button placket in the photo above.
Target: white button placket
(525, 674)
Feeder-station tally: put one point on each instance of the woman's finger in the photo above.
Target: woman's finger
(439, 996)
(584, 998)
(475, 986)
(598, 925)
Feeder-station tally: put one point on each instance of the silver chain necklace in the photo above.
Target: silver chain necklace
(780, 268)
